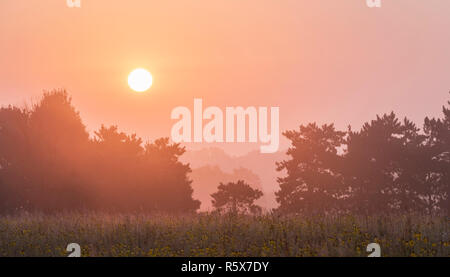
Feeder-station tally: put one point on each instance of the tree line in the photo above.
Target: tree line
(389, 165)
(49, 162)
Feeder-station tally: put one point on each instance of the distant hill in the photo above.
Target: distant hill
(211, 166)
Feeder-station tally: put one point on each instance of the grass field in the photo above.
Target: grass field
(213, 235)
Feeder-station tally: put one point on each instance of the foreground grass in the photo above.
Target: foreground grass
(214, 235)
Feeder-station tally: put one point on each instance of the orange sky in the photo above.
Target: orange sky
(318, 60)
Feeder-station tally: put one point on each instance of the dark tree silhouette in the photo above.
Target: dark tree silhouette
(48, 162)
(42, 152)
(238, 197)
(313, 182)
(14, 149)
(171, 184)
(387, 166)
(204, 177)
(438, 143)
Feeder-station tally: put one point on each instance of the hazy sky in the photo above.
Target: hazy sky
(318, 60)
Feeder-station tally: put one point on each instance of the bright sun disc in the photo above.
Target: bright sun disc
(140, 80)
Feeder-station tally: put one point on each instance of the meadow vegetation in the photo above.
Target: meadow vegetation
(270, 235)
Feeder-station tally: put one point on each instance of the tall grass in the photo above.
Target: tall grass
(222, 235)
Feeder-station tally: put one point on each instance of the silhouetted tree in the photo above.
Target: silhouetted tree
(313, 182)
(48, 162)
(42, 153)
(59, 143)
(172, 191)
(204, 177)
(385, 164)
(130, 176)
(438, 142)
(238, 197)
(115, 163)
(14, 150)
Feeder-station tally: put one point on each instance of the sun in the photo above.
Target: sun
(140, 80)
